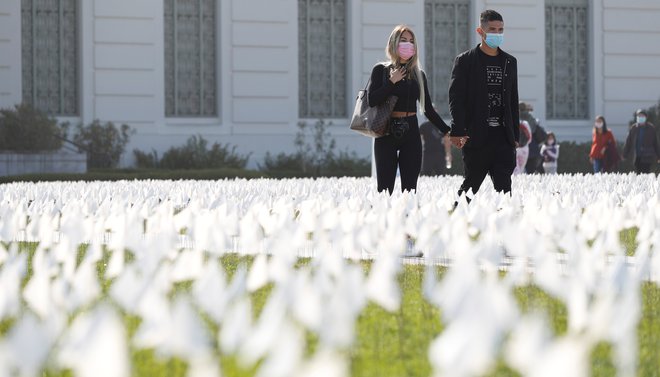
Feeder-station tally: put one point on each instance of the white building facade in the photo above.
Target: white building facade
(246, 72)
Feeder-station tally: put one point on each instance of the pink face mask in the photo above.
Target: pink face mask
(406, 50)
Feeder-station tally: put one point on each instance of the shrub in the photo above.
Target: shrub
(320, 152)
(574, 157)
(104, 143)
(195, 155)
(283, 165)
(145, 160)
(26, 129)
(348, 165)
(315, 156)
(221, 156)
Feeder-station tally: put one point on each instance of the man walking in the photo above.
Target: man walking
(483, 101)
(642, 144)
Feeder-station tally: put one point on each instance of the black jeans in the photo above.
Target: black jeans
(497, 159)
(642, 167)
(404, 153)
(534, 165)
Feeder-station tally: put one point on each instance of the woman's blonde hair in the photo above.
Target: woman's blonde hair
(413, 67)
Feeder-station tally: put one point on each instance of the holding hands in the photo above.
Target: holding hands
(459, 141)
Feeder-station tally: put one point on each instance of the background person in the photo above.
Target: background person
(522, 152)
(642, 143)
(550, 154)
(534, 159)
(600, 138)
(436, 150)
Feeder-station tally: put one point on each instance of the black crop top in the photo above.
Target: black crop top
(408, 92)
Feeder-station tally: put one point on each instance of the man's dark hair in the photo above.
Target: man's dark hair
(488, 16)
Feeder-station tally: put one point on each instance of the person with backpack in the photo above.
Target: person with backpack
(522, 151)
(534, 160)
(550, 154)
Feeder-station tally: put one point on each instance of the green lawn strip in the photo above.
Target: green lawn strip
(397, 343)
(648, 332)
(137, 174)
(146, 362)
(501, 369)
(628, 239)
(602, 364)
(392, 344)
(6, 325)
(532, 298)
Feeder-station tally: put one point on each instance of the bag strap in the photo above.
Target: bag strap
(384, 78)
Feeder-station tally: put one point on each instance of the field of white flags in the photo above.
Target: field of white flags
(301, 277)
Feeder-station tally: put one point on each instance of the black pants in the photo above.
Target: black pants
(497, 159)
(642, 167)
(404, 153)
(534, 165)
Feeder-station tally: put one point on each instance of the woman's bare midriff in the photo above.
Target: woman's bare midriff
(401, 114)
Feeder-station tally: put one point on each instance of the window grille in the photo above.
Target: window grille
(50, 76)
(322, 58)
(190, 58)
(567, 62)
(447, 33)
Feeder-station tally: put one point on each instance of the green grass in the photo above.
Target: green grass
(389, 343)
(396, 344)
(629, 241)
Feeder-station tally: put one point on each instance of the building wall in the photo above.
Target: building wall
(630, 59)
(122, 66)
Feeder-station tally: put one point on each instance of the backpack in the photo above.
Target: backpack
(540, 135)
(611, 158)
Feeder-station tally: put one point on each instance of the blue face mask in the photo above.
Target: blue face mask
(641, 120)
(494, 40)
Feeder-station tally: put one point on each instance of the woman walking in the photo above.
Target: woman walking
(403, 77)
(601, 138)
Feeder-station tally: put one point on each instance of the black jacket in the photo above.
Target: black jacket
(468, 99)
(650, 149)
